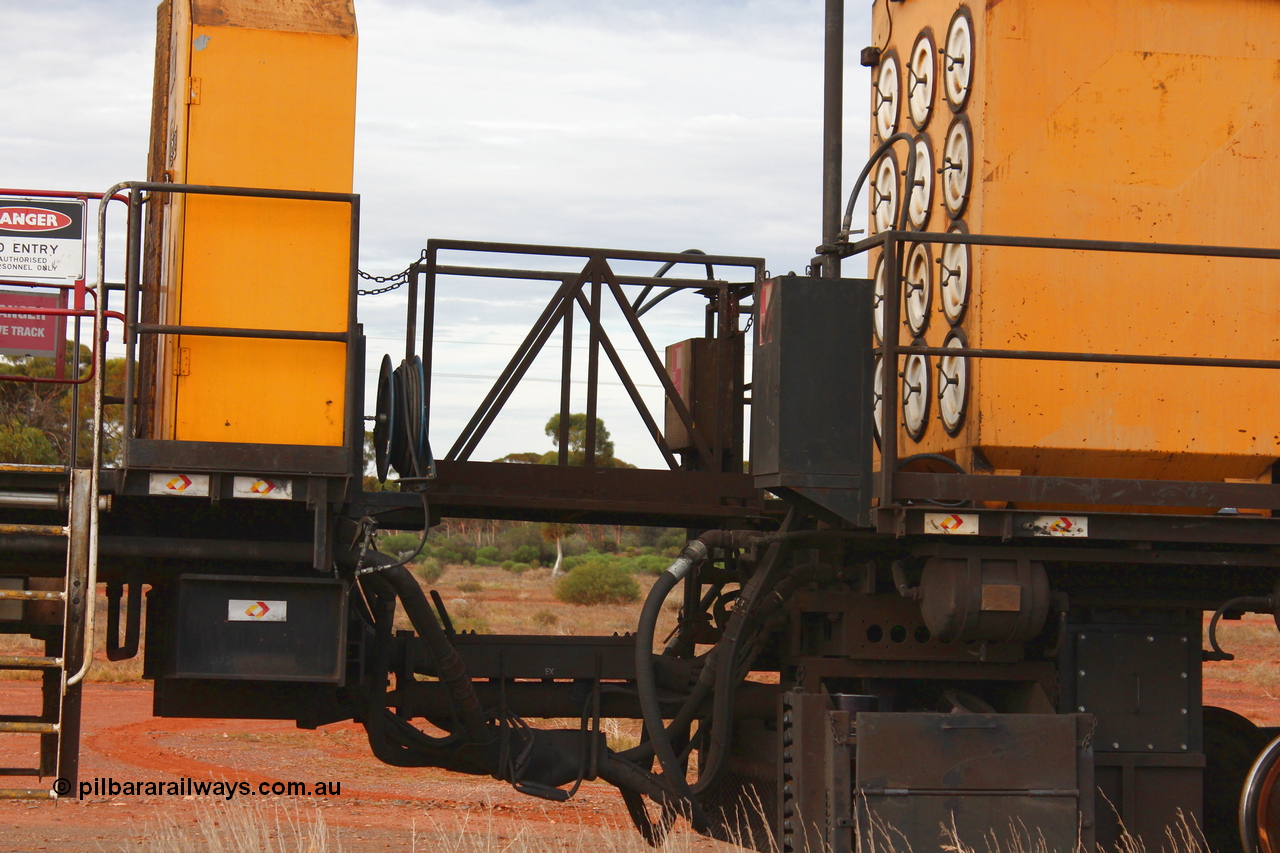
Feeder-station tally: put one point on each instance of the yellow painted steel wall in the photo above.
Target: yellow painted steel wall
(263, 95)
(1149, 120)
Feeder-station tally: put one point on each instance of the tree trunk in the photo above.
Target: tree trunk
(555, 570)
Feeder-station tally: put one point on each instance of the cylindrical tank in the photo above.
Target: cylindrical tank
(992, 600)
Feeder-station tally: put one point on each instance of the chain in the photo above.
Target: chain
(396, 280)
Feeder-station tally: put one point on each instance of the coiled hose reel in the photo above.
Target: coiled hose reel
(400, 421)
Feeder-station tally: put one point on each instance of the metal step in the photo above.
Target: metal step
(25, 468)
(33, 500)
(31, 595)
(29, 662)
(34, 530)
(19, 771)
(30, 728)
(27, 794)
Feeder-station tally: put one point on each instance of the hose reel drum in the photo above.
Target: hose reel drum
(400, 421)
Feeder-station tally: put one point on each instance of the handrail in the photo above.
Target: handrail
(95, 458)
(134, 328)
(584, 289)
(890, 349)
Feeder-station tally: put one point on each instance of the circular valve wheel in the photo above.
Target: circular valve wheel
(957, 166)
(877, 301)
(884, 193)
(915, 393)
(886, 95)
(955, 263)
(957, 60)
(953, 384)
(919, 295)
(877, 398)
(921, 202)
(922, 79)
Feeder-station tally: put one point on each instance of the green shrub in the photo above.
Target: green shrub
(469, 586)
(545, 618)
(398, 543)
(488, 552)
(597, 582)
(427, 570)
(651, 564)
(675, 537)
(525, 553)
(515, 567)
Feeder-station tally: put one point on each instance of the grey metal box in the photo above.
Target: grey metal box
(300, 636)
(1023, 775)
(811, 394)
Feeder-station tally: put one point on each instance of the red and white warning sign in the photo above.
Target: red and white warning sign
(30, 334)
(271, 488)
(42, 239)
(1070, 526)
(251, 610)
(951, 523)
(182, 485)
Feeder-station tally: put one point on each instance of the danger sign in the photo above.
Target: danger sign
(30, 334)
(41, 240)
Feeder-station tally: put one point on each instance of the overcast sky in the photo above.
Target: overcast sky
(637, 125)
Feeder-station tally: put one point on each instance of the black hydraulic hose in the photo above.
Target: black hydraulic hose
(623, 774)
(866, 172)
(687, 627)
(646, 683)
(384, 748)
(450, 667)
(724, 667)
(648, 288)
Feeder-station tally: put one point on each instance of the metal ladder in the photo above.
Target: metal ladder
(64, 661)
(68, 654)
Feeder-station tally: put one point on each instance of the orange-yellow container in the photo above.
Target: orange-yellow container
(1149, 120)
(262, 94)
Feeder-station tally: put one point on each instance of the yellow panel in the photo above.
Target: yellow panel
(1153, 123)
(270, 108)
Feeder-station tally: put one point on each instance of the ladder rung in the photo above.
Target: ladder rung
(30, 728)
(32, 595)
(33, 530)
(27, 794)
(19, 771)
(32, 500)
(27, 468)
(29, 662)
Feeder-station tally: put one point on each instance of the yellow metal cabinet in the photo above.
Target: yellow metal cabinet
(1147, 120)
(262, 94)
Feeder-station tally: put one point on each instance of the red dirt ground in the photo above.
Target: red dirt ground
(380, 807)
(377, 810)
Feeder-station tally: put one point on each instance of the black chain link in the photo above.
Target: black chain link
(396, 280)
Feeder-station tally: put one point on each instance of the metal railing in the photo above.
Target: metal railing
(138, 192)
(585, 289)
(895, 487)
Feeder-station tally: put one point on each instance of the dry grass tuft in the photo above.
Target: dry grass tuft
(242, 826)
